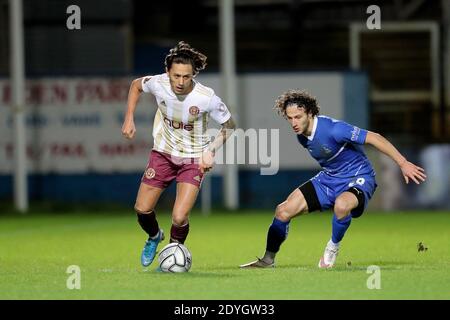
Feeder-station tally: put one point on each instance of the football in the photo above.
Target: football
(175, 257)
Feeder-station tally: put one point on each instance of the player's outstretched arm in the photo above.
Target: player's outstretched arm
(128, 127)
(409, 170)
(207, 159)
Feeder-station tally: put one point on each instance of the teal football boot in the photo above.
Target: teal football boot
(149, 251)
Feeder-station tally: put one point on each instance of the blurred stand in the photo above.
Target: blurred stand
(391, 180)
(78, 80)
(436, 190)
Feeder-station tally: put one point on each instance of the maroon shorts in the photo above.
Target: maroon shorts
(163, 168)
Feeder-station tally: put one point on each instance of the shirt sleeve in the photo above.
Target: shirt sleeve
(218, 110)
(148, 83)
(344, 132)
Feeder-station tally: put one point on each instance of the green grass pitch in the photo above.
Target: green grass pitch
(36, 250)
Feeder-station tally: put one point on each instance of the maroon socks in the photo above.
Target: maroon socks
(179, 233)
(148, 222)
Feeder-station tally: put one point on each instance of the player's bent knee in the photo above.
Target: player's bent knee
(141, 209)
(283, 213)
(180, 219)
(341, 208)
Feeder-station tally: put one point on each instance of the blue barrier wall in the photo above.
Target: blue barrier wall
(255, 191)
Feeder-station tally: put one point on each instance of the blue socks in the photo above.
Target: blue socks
(339, 227)
(278, 232)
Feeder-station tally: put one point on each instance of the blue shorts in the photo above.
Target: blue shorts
(328, 188)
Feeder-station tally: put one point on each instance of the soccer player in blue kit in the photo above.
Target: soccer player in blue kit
(346, 183)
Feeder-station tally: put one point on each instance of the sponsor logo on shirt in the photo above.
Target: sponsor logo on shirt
(178, 124)
(355, 133)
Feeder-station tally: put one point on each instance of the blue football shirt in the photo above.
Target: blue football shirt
(337, 147)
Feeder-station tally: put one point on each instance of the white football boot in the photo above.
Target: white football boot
(329, 256)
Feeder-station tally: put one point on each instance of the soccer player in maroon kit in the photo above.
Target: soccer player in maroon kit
(182, 150)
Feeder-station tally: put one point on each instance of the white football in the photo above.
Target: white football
(175, 257)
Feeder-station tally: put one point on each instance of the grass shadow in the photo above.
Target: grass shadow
(194, 274)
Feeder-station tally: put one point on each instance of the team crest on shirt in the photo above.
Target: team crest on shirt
(150, 173)
(222, 109)
(194, 110)
(326, 150)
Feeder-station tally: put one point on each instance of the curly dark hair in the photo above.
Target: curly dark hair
(300, 98)
(184, 53)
